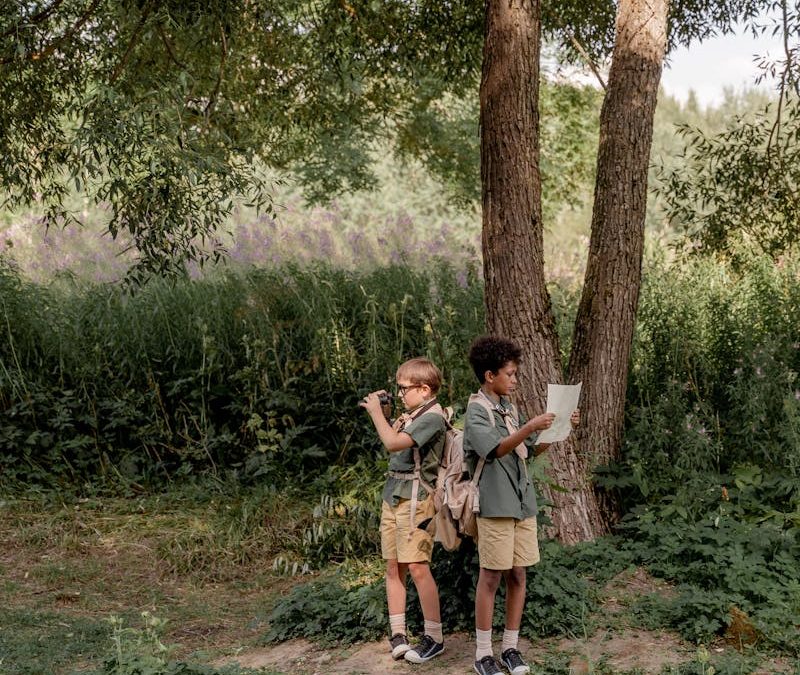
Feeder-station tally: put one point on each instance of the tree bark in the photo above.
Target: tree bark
(517, 301)
(606, 317)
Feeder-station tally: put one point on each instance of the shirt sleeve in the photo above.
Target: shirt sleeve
(424, 428)
(530, 441)
(483, 435)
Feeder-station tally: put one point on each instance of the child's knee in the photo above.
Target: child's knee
(395, 571)
(515, 576)
(419, 571)
(490, 578)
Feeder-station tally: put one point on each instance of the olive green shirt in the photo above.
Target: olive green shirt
(506, 490)
(428, 433)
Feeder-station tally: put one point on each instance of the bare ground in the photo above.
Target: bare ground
(630, 649)
(97, 569)
(619, 651)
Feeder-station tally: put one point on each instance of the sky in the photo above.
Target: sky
(711, 66)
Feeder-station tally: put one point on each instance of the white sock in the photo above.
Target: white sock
(483, 643)
(397, 623)
(434, 630)
(510, 639)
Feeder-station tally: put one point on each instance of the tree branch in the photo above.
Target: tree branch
(37, 18)
(170, 48)
(774, 133)
(49, 49)
(793, 79)
(212, 101)
(137, 32)
(589, 60)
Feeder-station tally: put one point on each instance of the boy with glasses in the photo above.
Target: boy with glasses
(415, 442)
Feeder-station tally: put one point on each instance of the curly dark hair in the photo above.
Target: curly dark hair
(490, 352)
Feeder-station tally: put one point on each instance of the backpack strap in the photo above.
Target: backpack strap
(416, 475)
(510, 418)
(482, 400)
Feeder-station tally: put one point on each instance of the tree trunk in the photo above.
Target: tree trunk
(607, 312)
(517, 302)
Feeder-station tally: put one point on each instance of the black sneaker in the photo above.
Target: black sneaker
(488, 665)
(513, 660)
(425, 650)
(399, 645)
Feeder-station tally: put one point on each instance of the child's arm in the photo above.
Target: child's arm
(512, 441)
(392, 440)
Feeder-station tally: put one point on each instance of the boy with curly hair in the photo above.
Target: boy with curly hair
(498, 449)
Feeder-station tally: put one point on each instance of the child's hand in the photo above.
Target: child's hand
(575, 418)
(542, 421)
(372, 403)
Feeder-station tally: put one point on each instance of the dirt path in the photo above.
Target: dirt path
(644, 650)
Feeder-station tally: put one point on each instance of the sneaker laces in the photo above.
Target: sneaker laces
(425, 643)
(514, 658)
(489, 665)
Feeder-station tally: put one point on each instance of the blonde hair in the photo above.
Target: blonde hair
(421, 371)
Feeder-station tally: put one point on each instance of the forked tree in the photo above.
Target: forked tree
(517, 301)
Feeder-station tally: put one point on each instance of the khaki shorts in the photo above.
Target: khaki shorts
(504, 543)
(395, 524)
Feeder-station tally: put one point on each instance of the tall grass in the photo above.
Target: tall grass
(713, 380)
(257, 373)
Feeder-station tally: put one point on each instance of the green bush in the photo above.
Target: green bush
(258, 374)
(713, 379)
(562, 591)
(725, 549)
(331, 610)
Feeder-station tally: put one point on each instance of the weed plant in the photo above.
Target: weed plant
(728, 663)
(140, 651)
(346, 607)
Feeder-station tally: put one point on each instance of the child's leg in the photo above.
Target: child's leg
(526, 552)
(515, 596)
(427, 591)
(485, 592)
(396, 586)
(515, 603)
(432, 642)
(495, 551)
(396, 601)
(488, 583)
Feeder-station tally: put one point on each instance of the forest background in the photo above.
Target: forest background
(208, 426)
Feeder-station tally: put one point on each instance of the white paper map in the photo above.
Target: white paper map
(562, 399)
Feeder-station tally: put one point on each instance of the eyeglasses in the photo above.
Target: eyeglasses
(402, 390)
